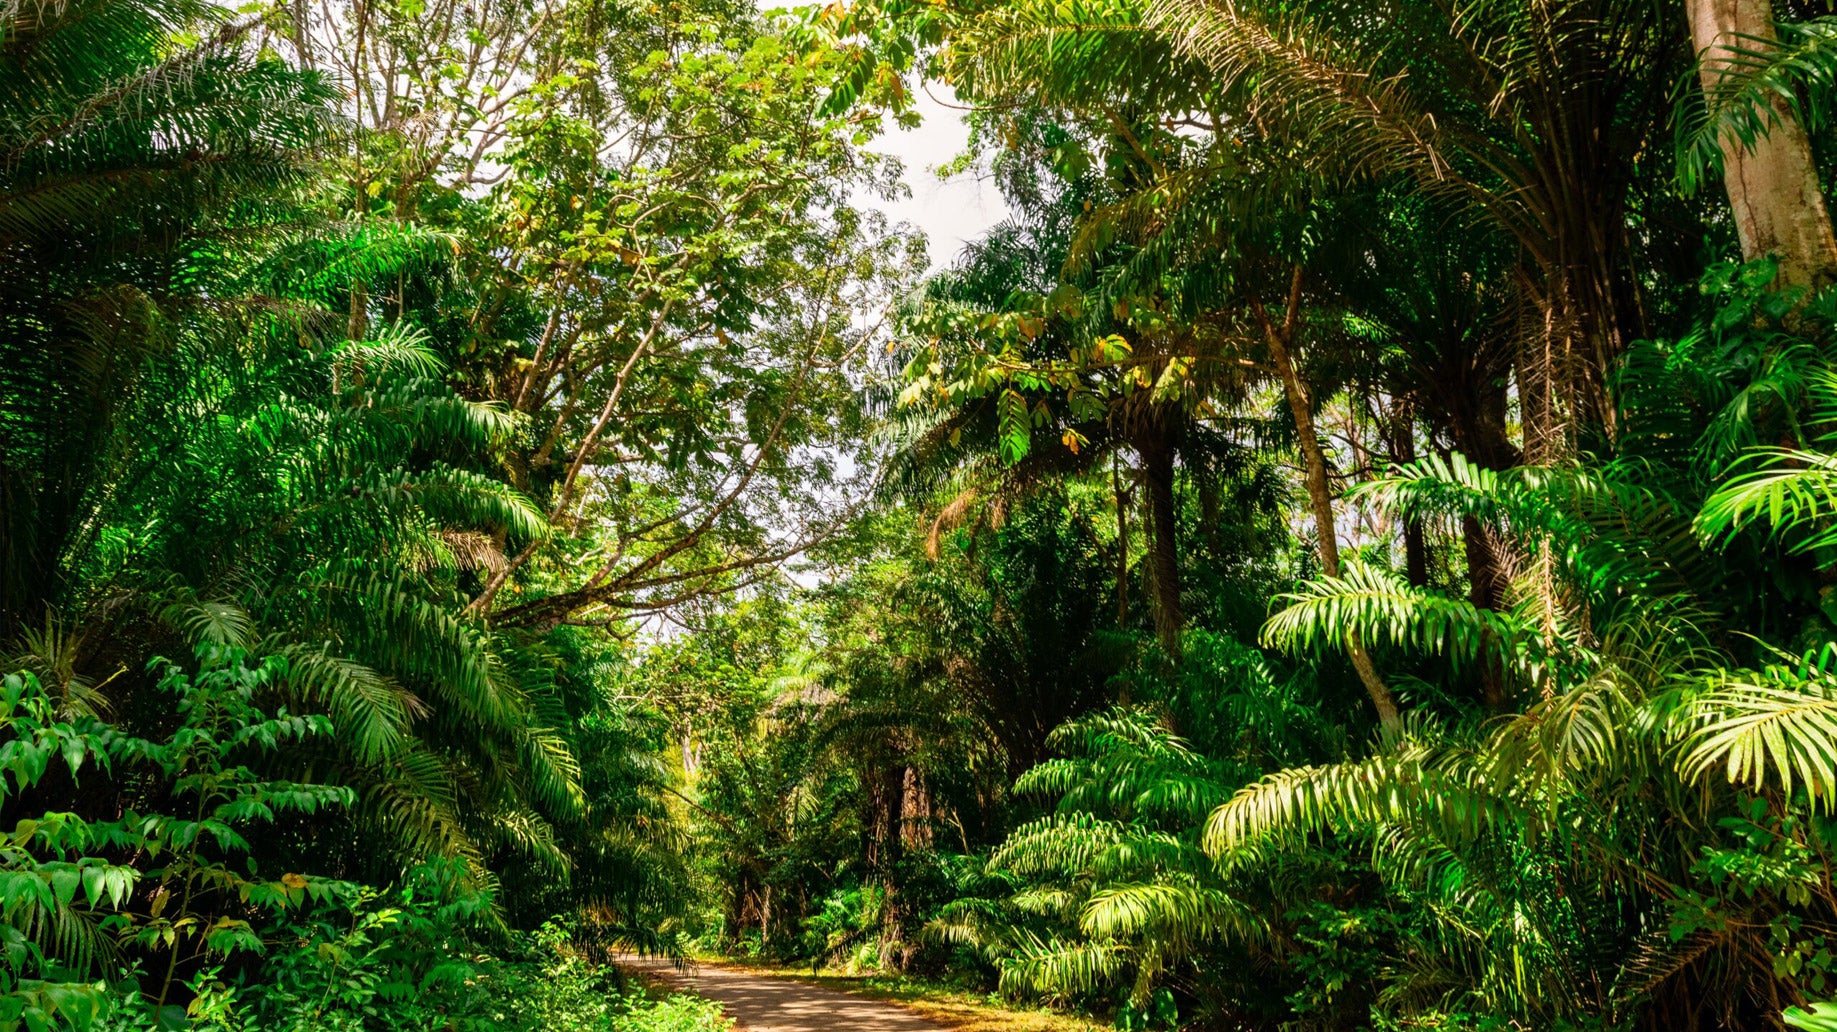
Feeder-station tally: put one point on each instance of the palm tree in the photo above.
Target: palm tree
(1754, 124)
(124, 159)
(1528, 118)
(1154, 383)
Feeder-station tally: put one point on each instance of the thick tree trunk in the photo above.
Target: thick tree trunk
(915, 824)
(1773, 186)
(1164, 527)
(1320, 494)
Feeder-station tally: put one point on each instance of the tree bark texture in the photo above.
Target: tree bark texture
(1415, 545)
(915, 823)
(885, 851)
(1773, 185)
(1486, 590)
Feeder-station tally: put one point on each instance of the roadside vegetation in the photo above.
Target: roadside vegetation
(483, 487)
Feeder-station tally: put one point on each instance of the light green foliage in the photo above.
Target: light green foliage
(1111, 888)
(1791, 490)
(664, 284)
(554, 987)
(1818, 1018)
(843, 929)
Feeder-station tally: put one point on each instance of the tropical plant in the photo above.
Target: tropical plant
(86, 896)
(1109, 897)
(1674, 801)
(126, 155)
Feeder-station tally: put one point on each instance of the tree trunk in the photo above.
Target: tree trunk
(1486, 590)
(1124, 499)
(885, 852)
(915, 824)
(1415, 549)
(1485, 587)
(1481, 436)
(1773, 186)
(1164, 557)
(1415, 554)
(357, 327)
(1545, 370)
(742, 906)
(1320, 495)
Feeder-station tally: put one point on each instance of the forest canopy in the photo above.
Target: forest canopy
(486, 490)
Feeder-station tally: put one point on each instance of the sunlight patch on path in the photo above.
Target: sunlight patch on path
(762, 1003)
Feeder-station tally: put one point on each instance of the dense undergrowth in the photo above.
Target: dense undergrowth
(278, 950)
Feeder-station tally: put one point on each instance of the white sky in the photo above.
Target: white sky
(949, 212)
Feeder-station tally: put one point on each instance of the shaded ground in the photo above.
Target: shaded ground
(764, 1003)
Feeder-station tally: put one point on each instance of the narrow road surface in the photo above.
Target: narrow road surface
(762, 1003)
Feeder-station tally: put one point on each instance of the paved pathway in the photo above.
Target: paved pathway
(763, 1003)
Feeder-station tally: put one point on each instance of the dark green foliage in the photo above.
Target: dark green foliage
(198, 446)
(160, 884)
(1586, 528)
(124, 155)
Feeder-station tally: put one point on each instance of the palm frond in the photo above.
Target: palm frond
(1375, 605)
(1774, 727)
(1757, 83)
(1795, 493)
(1411, 782)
